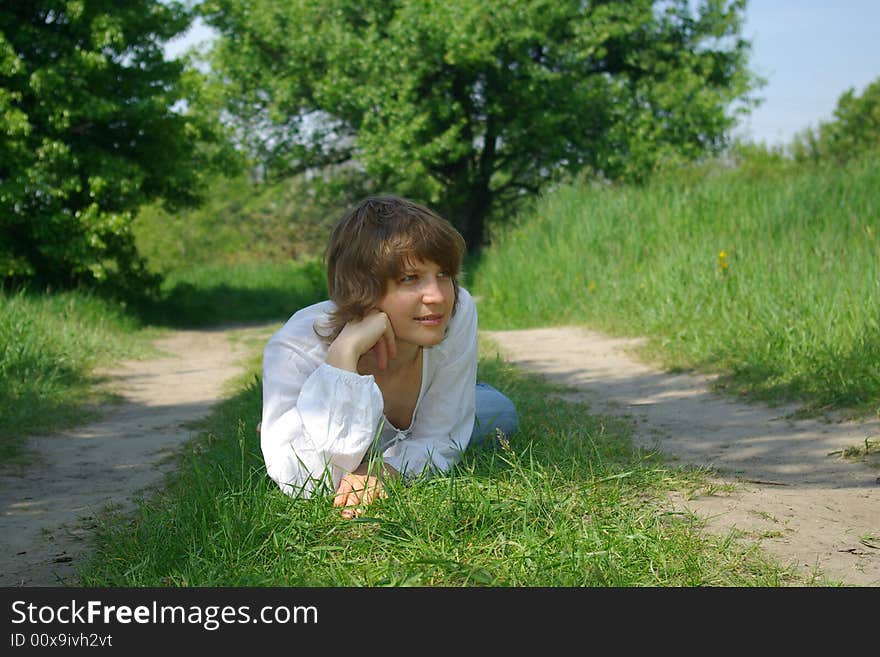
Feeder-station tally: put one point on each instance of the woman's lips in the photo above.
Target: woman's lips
(430, 320)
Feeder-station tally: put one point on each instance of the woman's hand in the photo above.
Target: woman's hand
(361, 488)
(356, 338)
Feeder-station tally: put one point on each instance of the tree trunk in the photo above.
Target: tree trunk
(472, 214)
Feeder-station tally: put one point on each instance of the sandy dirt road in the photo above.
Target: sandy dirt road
(796, 496)
(47, 510)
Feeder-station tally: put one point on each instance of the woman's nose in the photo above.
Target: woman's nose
(433, 290)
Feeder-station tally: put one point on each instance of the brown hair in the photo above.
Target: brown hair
(374, 242)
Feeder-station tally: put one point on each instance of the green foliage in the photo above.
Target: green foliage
(769, 276)
(753, 160)
(88, 132)
(470, 106)
(854, 131)
(242, 221)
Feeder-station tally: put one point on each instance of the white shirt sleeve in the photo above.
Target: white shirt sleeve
(318, 421)
(444, 419)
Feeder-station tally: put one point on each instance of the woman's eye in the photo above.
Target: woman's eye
(408, 278)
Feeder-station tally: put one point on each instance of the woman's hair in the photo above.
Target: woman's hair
(374, 242)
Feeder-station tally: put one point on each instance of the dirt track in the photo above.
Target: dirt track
(46, 512)
(796, 497)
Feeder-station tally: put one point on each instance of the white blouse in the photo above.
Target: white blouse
(319, 421)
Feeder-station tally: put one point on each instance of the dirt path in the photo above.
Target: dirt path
(46, 511)
(802, 503)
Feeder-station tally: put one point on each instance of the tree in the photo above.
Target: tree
(471, 105)
(855, 129)
(88, 132)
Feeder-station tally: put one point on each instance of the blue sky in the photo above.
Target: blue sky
(809, 51)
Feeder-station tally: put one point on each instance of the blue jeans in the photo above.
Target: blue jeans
(493, 411)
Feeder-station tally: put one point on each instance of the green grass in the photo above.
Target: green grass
(49, 346)
(215, 294)
(568, 503)
(791, 312)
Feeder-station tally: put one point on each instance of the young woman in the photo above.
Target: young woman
(379, 381)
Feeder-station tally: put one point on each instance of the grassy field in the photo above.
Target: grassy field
(771, 279)
(566, 503)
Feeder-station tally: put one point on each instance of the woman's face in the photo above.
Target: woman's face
(419, 303)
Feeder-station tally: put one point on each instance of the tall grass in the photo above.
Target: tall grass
(773, 281)
(49, 345)
(566, 503)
